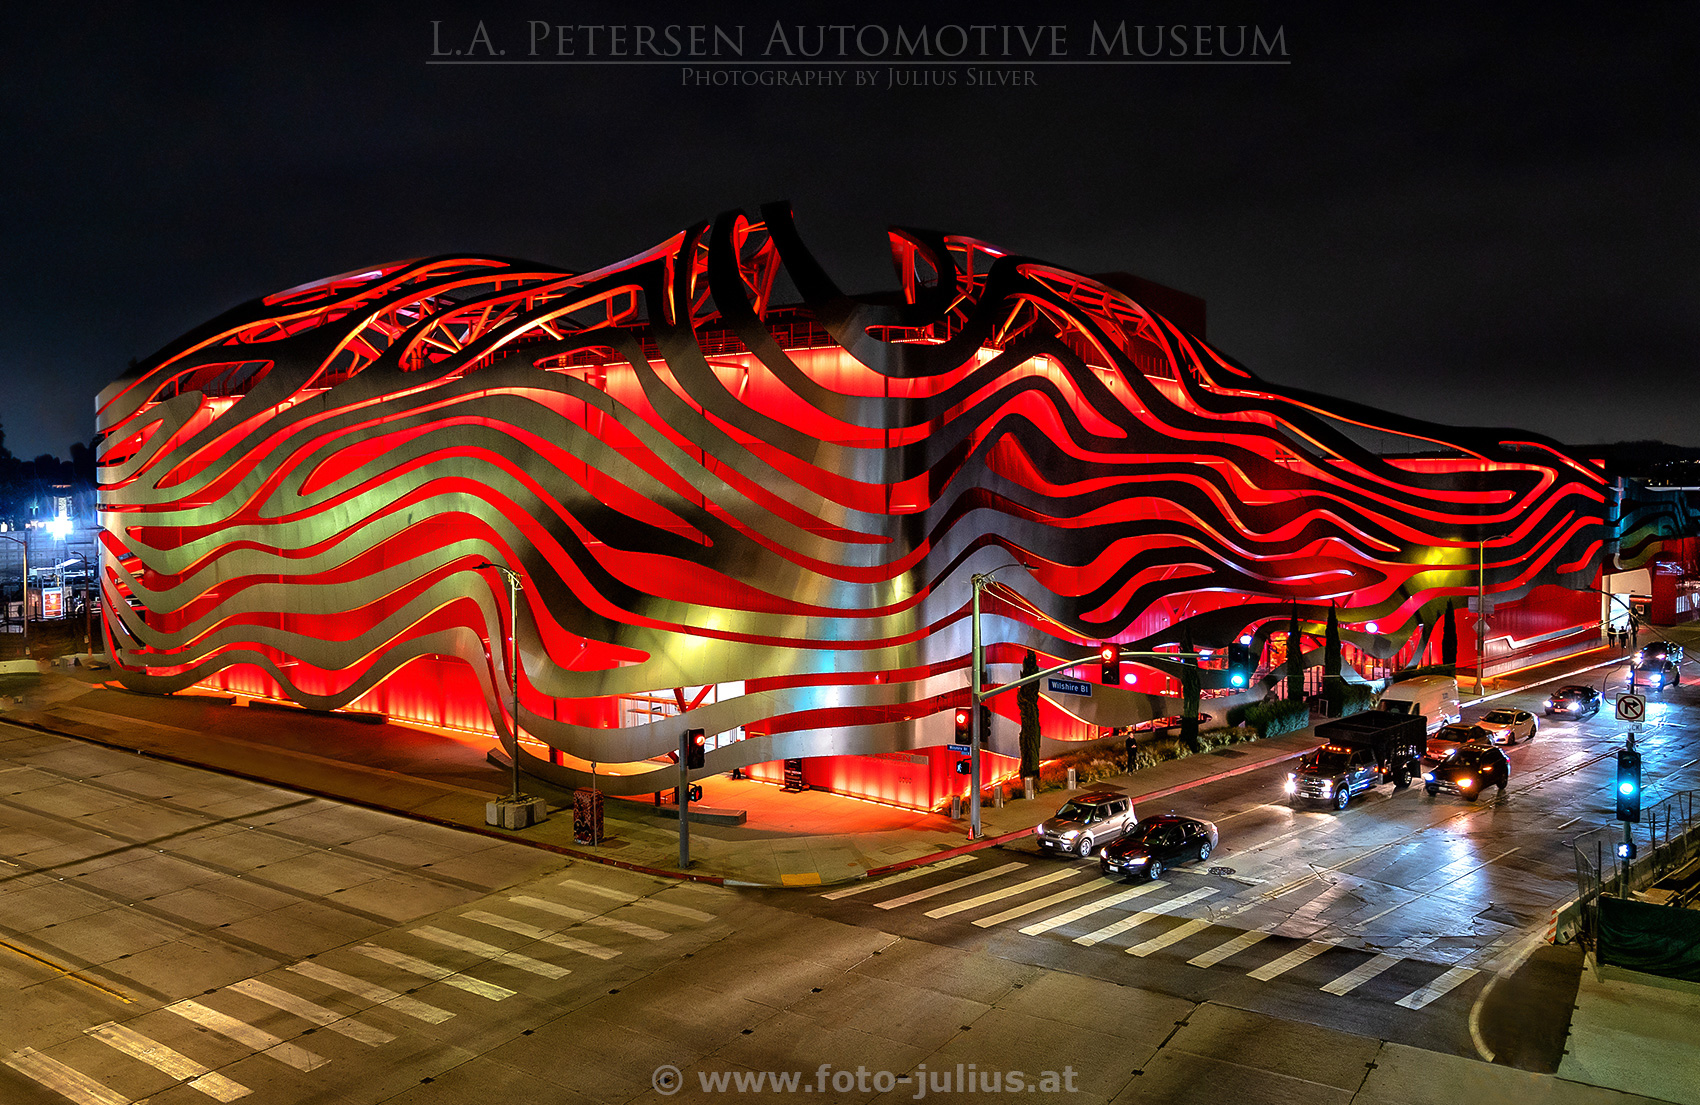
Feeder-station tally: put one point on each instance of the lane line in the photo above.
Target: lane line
(639, 901)
(1228, 949)
(901, 876)
(945, 888)
(1143, 916)
(246, 1034)
(308, 1011)
(1280, 966)
(1360, 974)
(63, 1080)
(1441, 986)
(1044, 903)
(630, 928)
(1438, 889)
(167, 1061)
(372, 992)
(547, 936)
(1173, 936)
(1090, 908)
(1007, 892)
(415, 965)
(490, 951)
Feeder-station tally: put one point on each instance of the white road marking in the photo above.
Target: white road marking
(246, 1034)
(1007, 892)
(491, 952)
(1441, 986)
(164, 1059)
(631, 928)
(1173, 936)
(945, 888)
(1280, 966)
(1090, 908)
(308, 1011)
(901, 876)
(415, 965)
(1228, 949)
(1360, 974)
(621, 896)
(548, 936)
(372, 992)
(62, 1079)
(1143, 916)
(1044, 903)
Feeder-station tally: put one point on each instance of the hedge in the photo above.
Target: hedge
(1345, 699)
(1276, 715)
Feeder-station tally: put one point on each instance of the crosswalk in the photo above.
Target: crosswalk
(1074, 903)
(454, 950)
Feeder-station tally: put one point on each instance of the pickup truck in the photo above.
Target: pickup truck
(1359, 753)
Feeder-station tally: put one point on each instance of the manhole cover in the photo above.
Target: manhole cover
(1222, 871)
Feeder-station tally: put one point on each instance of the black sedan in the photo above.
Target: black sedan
(1573, 701)
(1468, 770)
(1156, 843)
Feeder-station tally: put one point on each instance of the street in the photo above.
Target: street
(172, 934)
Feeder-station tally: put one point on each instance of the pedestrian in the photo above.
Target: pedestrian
(1132, 748)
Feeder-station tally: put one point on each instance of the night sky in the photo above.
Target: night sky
(1471, 217)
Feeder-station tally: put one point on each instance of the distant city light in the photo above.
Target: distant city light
(1371, 627)
(59, 527)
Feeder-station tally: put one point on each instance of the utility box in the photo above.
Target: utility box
(516, 813)
(587, 816)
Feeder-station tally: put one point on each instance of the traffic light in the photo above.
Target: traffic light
(963, 720)
(985, 723)
(1239, 665)
(1111, 655)
(962, 767)
(1629, 785)
(696, 743)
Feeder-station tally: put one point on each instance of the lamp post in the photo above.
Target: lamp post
(976, 687)
(1481, 618)
(25, 544)
(512, 578)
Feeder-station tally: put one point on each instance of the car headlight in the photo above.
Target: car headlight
(1428, 776)
(1038, 830)
(1466, 782)
(1291, 786)
(1071, 834)
(1327, 786)
(1138, 859)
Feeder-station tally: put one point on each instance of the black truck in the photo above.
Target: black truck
(1360, 752)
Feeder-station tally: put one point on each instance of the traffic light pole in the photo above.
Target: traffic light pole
(979, 693)
(684, 800)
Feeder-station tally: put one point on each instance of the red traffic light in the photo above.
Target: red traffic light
(1111, 655)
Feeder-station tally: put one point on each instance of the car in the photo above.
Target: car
(1507, 726)
(1654, 673)
(1449, 737)
(1659, 650)
(1156, 844)
(1085, 822)
(1574, 700)
(1467, 770)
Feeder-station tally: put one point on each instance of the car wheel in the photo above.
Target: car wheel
(1155, 869)
(1204, 851)
(1342, 798)
(1502, 786)
(1432, 791)
(1084, 848)
(1471, 795)
(1401, 780)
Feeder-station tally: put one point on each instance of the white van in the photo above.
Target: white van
(1433, 696)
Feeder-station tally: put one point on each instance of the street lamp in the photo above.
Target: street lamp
(512, 578)
(25, 543)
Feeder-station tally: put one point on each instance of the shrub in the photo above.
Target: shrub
(1275, 715)
(1346, 698)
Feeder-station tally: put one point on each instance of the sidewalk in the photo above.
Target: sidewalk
(808, 839)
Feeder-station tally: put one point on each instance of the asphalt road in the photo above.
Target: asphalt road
(171, 935)
(1388, 918)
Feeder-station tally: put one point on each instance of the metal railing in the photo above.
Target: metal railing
(1665, 839)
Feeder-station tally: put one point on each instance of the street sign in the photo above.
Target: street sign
(1631, 707)
(1069, 686)
(957, 747)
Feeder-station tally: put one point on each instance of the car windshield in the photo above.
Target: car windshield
(1501, 717)
(1077, 811)
(1328, 761)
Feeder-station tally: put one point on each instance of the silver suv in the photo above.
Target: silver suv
(1086, 822)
